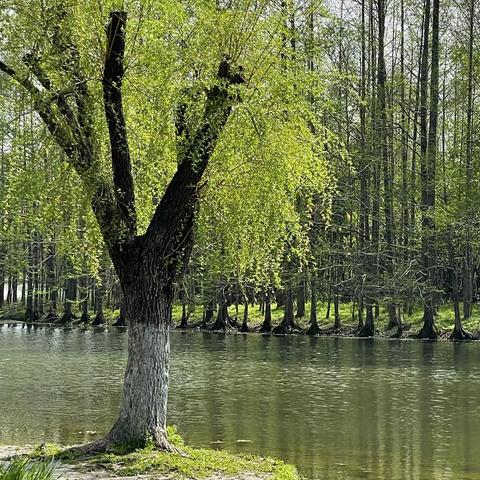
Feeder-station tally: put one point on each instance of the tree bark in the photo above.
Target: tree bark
(314, 328)
(144, 406)
(301, 299)
(267, 319)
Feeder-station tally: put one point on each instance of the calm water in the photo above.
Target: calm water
(337, 408)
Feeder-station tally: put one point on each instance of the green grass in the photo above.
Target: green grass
(190, 463)
(25, 469)
(193, 464)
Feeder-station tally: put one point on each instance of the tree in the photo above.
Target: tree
(147, 265)
(429, 158)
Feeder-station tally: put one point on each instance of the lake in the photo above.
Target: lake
(338, 408)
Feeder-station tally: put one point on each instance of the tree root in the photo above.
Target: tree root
(50, 317)
(285, 329)
(266, 327)
(398, 333)
(313, 330)
(121, 322)
(66, 318)
(224, 325)
(460, 335)
(428, 332)
(111, 444)
(244, 328)
(99, 320)
(183, 324)
(366, 331)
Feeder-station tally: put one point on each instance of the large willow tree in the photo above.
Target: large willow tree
(140, 115)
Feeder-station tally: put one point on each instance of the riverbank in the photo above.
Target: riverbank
(412, 322)
(194, 464)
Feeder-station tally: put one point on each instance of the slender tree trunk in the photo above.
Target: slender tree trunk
(301, 299)
(244, 328)
(382, 130)
(85, 318)
(99, 300)
(314, 328)
(429, 154)
(267, 321)
(468, 262)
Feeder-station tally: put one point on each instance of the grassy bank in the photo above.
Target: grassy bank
(444, 319)
(190, 463)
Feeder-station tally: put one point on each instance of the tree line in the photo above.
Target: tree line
(388, 96)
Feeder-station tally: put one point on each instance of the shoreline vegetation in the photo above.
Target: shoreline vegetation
(346, 324)
(58, 462)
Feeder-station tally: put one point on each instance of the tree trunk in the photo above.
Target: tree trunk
(244, 328)
(51, 284)
(337, 325)
(429, 153)
(184, 320)
(122, 318)
(143, 412)
(468, 262)
(208, 315)
(287, 325)
(70, 297)
(368, 330)
(267, 320)
(314, 328)
(301, 300)
(223, 321)
(84, 296)
(99, 294)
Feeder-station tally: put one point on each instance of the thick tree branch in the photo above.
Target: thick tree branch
(77, 143)
(171, 224)
(112, 93)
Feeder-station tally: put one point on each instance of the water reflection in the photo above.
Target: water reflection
(338, 408)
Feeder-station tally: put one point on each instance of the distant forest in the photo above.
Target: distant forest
(340, 171)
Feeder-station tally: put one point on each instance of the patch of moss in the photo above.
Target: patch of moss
(193, 463)
(46, 450)
(190, 463)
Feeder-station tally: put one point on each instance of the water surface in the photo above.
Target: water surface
(337, 408)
